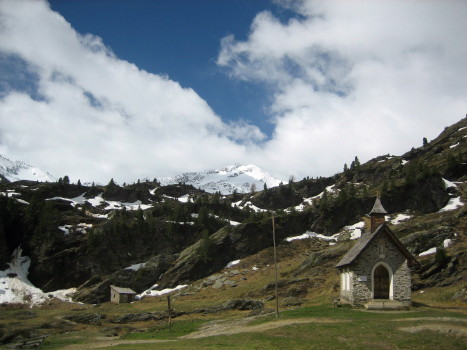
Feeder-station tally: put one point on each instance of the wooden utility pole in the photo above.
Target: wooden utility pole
(169, 308)
(275, 264)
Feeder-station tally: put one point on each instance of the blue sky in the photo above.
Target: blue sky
(134, 89)
(181, 39)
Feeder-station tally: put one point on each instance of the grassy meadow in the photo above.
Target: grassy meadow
(435, 321)
(312, 327)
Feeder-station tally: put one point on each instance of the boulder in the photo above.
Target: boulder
(234, 304)
(86, 318)
(297, 291)
(144, 316)
(243, 304)
(292, 301)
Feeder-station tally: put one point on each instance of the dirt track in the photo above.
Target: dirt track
(440, 326)
(214, 328)
(235, 326)
(241, 326)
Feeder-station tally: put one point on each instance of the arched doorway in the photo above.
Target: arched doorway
(381, 280)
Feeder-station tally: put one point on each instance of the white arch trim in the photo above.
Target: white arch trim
(391, 279)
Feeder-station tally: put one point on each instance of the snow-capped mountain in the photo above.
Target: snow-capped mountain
(226, 180)
(15, 171)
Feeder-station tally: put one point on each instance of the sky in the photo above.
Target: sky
(141, 89)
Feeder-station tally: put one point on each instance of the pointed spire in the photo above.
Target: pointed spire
(378, 207)
(377, 214)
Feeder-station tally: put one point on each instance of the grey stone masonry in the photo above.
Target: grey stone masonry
(380, 250)
(377, 250)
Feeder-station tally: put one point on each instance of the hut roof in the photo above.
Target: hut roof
(122, 290)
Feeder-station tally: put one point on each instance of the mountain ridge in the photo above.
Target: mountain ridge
(16, 170)
(226, 180)
(92, 233)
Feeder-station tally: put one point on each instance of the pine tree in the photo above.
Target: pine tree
(66, 180)
(205, 246)
(351, 192)
(323, 203)
(203, 217)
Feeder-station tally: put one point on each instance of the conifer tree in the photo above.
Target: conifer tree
(203, 216)
(205, 246)
(357, 162)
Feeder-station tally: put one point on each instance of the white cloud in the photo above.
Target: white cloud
(101, 117)
(355, 78)
(348, 78)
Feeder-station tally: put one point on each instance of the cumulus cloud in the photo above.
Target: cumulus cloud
(354, 77)
(95, 116)
(347, 78)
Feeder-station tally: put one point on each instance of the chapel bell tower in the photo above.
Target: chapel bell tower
(377, 215)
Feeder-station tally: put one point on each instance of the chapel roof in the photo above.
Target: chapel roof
(365, 240)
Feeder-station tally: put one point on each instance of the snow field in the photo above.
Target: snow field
(15, 288)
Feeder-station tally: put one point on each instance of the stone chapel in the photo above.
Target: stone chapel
(375, 272)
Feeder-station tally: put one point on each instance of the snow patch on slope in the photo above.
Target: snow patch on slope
(153, 292)
(98, 201)
(453, 204)
(15, 288)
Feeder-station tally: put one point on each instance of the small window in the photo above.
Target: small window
(345, 279)
(348, 275)
(381, 248)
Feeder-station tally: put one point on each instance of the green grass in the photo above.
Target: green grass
(348, 335)
(341, 328)
(60, 341)
(177, 329)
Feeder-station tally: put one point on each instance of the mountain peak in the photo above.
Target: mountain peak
(16, 170)
(226, 180)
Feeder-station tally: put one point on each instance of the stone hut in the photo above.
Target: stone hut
(121, 295)
(375, 272)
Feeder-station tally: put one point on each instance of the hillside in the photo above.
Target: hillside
(75, 233)
(150, 236)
